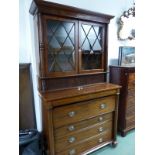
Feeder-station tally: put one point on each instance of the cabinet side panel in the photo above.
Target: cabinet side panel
(48, 136)
(117, 76)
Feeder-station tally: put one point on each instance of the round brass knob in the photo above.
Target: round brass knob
(72, 152)
(100, 129)
(100, 118)
(71, 139)
(102, 106)
(71, 114)
(100, 140)
(71, 128)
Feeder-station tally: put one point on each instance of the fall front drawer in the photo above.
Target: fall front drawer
(79, 136)
(80, 111)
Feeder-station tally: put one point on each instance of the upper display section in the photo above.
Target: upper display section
(71, 41)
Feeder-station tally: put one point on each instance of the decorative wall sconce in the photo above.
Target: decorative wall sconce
(126, 29)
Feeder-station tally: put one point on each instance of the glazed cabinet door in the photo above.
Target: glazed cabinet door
(91, 47)
(60, 46)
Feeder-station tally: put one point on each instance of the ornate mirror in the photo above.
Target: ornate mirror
(126, 22)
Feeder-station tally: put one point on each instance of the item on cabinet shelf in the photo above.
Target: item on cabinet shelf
(79, 109)
(125, 76)
(126, 56)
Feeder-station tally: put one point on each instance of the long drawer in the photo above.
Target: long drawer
(130, 101)
(130, 121)
(77, 112)
(131, 81)
(87, 144)
(131, 77)
(130, 111)
(131, 92)
(78, 137)
(72, 128)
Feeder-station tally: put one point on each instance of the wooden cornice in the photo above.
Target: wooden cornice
(50, 8)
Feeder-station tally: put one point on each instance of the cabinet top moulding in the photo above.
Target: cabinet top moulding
(50, 8)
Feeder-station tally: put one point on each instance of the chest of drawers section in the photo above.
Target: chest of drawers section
(125, 76)
(81, 125)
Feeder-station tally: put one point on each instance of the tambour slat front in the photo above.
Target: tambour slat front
(77, 112)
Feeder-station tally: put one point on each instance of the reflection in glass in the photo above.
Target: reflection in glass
(61, 46)
(91, 46)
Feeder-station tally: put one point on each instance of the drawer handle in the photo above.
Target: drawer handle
(103, 106)
(71, 128)
(71, 114)
(71, 139)
(100, 129)
(100, 119)
(100, 140)
(72, 152)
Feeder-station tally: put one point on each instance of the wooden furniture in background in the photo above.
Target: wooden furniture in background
(125, 76)
(26, 101)
(79, 109)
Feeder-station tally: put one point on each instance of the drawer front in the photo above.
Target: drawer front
(130, 111)
(71, 128)
(88, 144)
(130, 121)
(80, 111)
(78, 137)
(131, 77)
(130, 100)
(131, 92)
(131, 85)
(131, 81)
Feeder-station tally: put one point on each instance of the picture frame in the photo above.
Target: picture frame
(126, 56)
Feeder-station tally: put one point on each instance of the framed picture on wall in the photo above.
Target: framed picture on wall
(126, 56)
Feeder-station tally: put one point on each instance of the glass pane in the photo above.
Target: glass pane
(61, 48)
(91, 46)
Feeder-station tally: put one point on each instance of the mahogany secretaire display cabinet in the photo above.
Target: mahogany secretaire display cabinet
(125, 76)
(79, 108)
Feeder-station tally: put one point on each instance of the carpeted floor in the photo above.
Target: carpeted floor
(126, 146)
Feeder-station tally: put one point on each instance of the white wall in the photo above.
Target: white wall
(26, 52)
